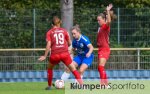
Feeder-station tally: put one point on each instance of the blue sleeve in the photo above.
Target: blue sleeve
(87, 41)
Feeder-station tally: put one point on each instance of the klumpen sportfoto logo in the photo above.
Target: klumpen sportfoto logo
(111, 86)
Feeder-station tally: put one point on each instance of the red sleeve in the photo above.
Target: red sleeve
(48, 38)
(105, 27)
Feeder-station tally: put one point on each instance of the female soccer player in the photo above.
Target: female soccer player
(84, 58)
(104, 20)
(58, 41)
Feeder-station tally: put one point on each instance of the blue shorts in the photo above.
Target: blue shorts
(82, 59)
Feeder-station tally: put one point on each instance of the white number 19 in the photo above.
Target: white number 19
(59, 38)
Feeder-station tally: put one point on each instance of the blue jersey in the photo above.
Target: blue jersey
(81, 45)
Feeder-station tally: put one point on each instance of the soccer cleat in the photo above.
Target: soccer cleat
(48, 88)
(53, 84)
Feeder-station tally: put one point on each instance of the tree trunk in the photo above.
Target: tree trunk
(67, 14)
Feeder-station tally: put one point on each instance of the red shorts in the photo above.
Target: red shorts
(64, 57)
(103, 53)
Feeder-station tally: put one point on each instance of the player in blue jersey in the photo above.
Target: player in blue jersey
(84, 58)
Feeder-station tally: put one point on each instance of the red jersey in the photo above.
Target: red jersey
(103, 36)
(58, 38)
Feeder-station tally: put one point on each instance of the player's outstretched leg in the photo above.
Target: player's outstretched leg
(75, 73)
(65, 76)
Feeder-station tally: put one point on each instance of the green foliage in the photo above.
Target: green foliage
(16, 29)
(17, 22)
(29, 4)
(116, 3)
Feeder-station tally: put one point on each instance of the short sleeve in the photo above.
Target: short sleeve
(86, 40)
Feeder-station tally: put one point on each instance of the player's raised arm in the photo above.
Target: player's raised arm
(108, 17)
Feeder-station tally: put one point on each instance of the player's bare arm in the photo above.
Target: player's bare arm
(46, 51)
(73, 50)
(90, 46)
(108, 17)
(69, 43)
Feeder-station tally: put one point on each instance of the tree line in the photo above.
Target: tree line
(17, 22)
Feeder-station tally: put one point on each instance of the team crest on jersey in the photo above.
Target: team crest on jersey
(81, 45)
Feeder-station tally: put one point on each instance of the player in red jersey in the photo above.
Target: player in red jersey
(58, 41)
(104, 20)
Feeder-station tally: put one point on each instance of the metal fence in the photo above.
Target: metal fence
(121, 58)
(27, 28)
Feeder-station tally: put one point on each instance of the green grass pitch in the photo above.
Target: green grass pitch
(28, 88)
(39, 88)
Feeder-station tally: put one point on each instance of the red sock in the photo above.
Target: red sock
(77, 76)
(49, 76)
(103, 75)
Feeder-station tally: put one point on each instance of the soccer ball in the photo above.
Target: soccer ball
(59, 84)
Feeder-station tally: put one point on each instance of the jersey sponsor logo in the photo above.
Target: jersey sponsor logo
(58, 46)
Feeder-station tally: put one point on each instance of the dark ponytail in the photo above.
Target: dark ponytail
(56, 21)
